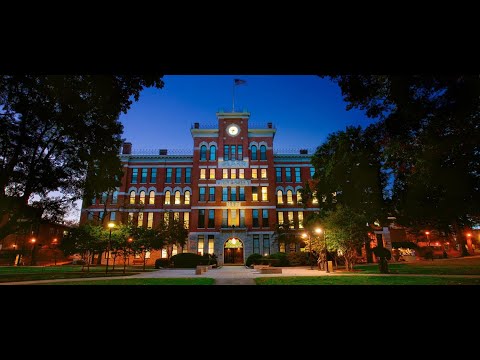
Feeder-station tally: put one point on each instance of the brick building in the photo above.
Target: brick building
(231, 192)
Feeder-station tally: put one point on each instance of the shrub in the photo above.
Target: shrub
(209, 259)
(298, 258)
(281, 257)
(267, 261)
(426, 252)
(186, 260)
(252, 258)
(382, 252)
(162, 263)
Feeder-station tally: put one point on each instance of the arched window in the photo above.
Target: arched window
(213, 152)
(177, 197)
(142, 197)
(254, 152)
(263, 152)
(132, 197)
(203, 152)
(299, 196)
(151, 198)
(187, 197)
(314, 198)
(279, 197)
(167, 197)
(289, 197)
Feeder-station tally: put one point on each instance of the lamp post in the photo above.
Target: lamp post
(428, 239)
(111, 226)
(33, 240)
(319, 231)
(54, 243)
(469, 242)
(307, 236)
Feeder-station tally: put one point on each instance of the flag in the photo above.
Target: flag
(239, 81)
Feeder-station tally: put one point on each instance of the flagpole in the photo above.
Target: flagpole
(233, 97)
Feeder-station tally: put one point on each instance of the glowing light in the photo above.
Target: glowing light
(33, 240)
(437, 244)
(427, 232)
(130, 239)
(469, 234)
(234, 241)
(111, 225)
(55, 240)
(304, 235)
(318, 230)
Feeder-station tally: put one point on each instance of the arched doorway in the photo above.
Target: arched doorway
(233, 251)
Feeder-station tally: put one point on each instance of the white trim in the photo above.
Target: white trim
(291, 165)
(298, 188)
(152, 188)
(144, 210)
(158, 166)
(279, 188)
(132, 188)
(289, 187)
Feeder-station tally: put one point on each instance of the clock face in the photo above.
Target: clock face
(233, 130)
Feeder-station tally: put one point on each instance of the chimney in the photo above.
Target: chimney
(196, 125)
(269, 125)
(162, 152)
(303, 151)
(127, 148)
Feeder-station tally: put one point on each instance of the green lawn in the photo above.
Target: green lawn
(157, 281)
(461, 266)
(365, 280)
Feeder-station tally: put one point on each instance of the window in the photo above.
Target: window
(241, 196)
(150, 220)
(263, 152)
(314, 198)
(240, 152)
(211, 218)
(90, 216)
(233, 152)
(188, 175)
(203, 152)
(168, 178)
(213, 152)
(132, 197)
(242, 218)
(290, 220)
(144, 176)
(224, 218)
(264, 193)
(202, 193)
(300, 219)
(292, 247)
(178, 175)
(187, 197)
(134, 176)
(211, 243)
(256, 244)
(298, 178)
(263, 173)
(130, 217)
(151, 197)
(176, 216)
(255, 217)
(201, 239)
(265, 218)
(289, 197)
(115, 197)
(203, 174)
(212, 174)
(241, 173)
(113, 215)
(254, 193)
(225, 174)
(233, 173)
(254, 152)
(233, 194)
(278, 174)
(225, 152)
(312, 172)
(225, 194)
(142, 197)
(254, 173)
(279, 197)
(140, 219)
(94, 200)
(288, 174)
(100, 215)
(211, 194)
(186, 219)
(281, 246)
(280, 217)
(167, 197)
(153, 176)
(266, 245)
(104, 197)
(299, 196)
(234, 220)
(201, 218)
(177, 197)
(166, 217)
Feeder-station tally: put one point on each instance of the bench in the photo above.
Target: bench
(201, 269)
(270, 270)
(258, 267)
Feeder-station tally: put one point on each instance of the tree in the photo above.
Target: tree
(145, 240)
(431, 143)
(285, 233)
(172, 232)
(60, 133)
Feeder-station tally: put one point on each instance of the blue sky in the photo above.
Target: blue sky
(305, 109)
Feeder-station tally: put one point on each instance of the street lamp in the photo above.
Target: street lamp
(305, 236)
(33, 240)
(428, 239)
(54, 243)
(111, 226)
(318, 231)
(469, 241)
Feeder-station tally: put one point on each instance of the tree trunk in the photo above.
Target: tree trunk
(144, 260)
(124, 264)
(368, 251)
(99, 260)
(113, 267)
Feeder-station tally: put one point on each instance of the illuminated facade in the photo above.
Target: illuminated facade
(230, 192)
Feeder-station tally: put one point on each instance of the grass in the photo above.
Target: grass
(365, 280)
(158, 281)
(30, 273)
(461, 266)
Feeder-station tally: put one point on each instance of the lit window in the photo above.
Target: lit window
(142, 197)
(281, 246)
(224, 218)
(166, 217)
(264, 193)
(151, 198)
(254, 173)
(280, 217)
(203, 174)
(263, 152)
(201, 239)
(299, 196)
(186, 219)
(241, 173)
(211, 243)
(167, 197)
(254, 193)
(213, 152)
(187, 197)
(263, 173)
(289, 197)
(147, 254)
(177, 197)
(212, 173)
(315, 200)
(290, 219)
(266, 245)
(203, 152)
(225, 173)
(130, 217)
(150, 220)
(300, 219)
(132, 197)
(140, 219)
(279, 197)
(174, 249)
(176, 216)
(233, 174)
(242, 218)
